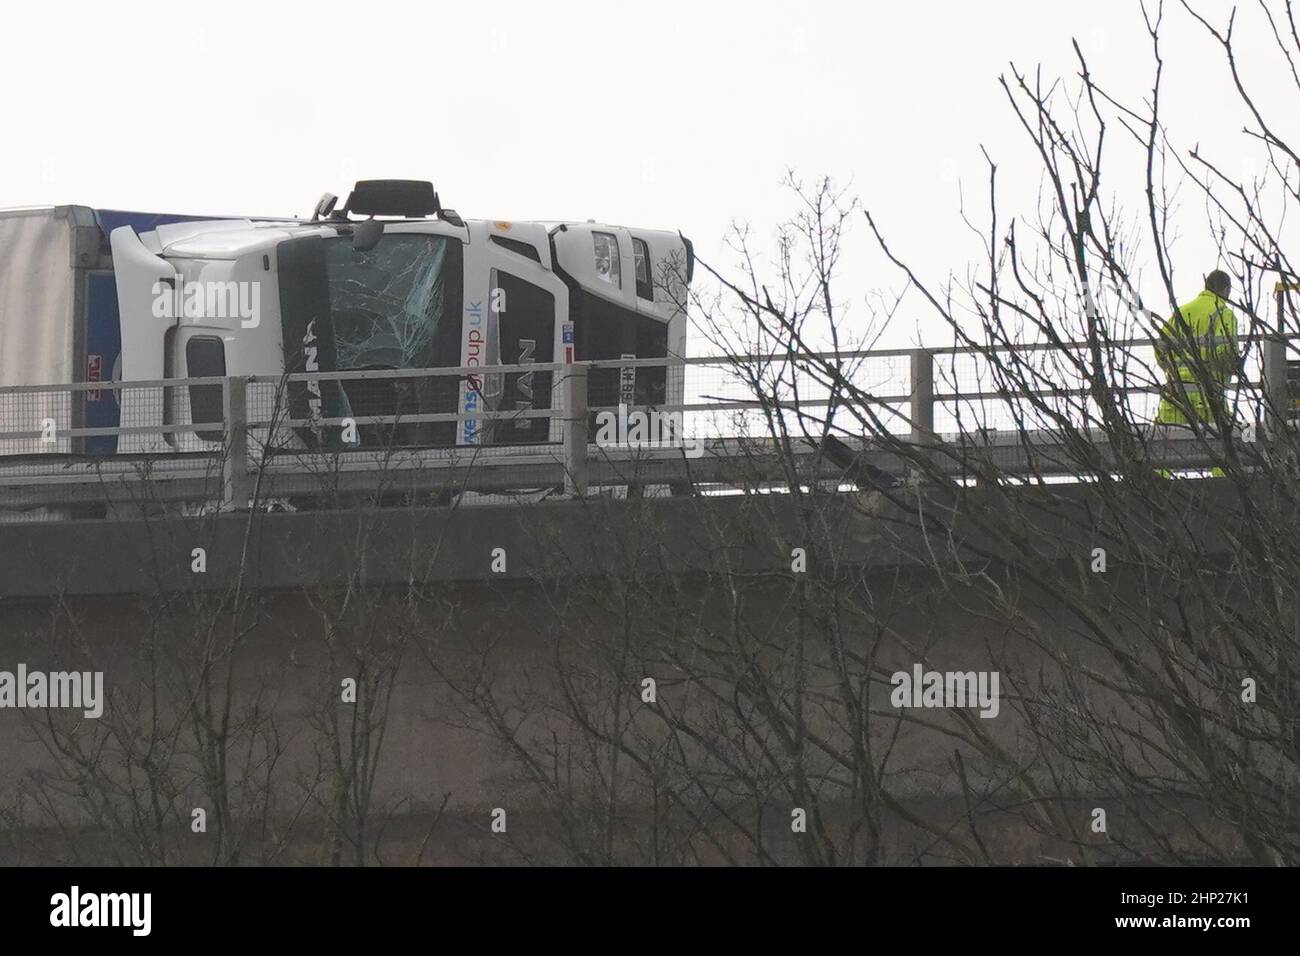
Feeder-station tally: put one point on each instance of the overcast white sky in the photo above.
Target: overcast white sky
(660, 114)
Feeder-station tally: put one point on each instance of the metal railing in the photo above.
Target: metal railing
(234, 439)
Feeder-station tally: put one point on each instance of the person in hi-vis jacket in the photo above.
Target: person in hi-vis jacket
(1197, 351)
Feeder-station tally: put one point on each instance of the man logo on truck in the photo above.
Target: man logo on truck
(526, 349)
(311, 363)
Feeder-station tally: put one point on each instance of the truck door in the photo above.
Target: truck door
(140, 278)
(616, 311)
(516, 318)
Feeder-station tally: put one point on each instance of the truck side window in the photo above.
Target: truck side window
(205, 355)
(644, 286)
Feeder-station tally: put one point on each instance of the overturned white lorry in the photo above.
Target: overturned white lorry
(390, 281)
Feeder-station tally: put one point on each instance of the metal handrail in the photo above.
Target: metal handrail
(665, 362)
(572, 459)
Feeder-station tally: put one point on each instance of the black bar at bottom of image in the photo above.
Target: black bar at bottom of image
(334, 906)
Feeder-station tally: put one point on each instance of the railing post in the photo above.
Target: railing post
(237, 488)
(1276, 398)
(922, 410)
(574, 391)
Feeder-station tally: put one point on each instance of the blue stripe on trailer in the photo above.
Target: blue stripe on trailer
(110, 219)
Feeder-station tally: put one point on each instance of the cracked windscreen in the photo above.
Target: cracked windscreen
(389, 303)
(397, 305)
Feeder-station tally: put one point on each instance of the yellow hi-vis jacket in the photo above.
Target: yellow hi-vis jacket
(1206, 333)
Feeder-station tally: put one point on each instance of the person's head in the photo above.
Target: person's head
(1219, 282)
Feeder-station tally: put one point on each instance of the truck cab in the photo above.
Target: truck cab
(406, 286)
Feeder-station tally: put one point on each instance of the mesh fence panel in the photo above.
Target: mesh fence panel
(376, 412)
(1047, 387)
(45, 416)
(779, 396)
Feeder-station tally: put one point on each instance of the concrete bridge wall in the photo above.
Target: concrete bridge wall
(592, 599)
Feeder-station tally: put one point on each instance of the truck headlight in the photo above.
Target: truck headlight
(608, 267)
